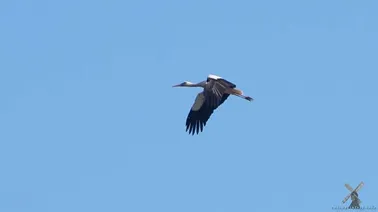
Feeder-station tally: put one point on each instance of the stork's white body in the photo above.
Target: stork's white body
(215, 77)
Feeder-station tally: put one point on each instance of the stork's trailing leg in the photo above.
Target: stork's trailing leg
(244, 97)
(239, 93)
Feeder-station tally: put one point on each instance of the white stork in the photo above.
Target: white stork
(215, 91)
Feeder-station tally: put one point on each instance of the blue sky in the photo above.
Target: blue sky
(89, 120)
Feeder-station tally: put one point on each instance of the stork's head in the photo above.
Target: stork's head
(184, 84)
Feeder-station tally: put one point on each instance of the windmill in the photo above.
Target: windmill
(353, 195)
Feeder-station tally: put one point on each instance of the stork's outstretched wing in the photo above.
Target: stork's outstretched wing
(215, 90)
(200, 113)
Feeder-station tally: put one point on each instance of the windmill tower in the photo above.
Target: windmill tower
(354, 196)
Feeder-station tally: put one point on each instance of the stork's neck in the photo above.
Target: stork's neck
(200, 84)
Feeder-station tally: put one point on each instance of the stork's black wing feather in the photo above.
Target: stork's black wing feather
(229, 84)
(224, 98)
(216, 93)
(196, 120)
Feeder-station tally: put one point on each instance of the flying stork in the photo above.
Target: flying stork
(215, 91)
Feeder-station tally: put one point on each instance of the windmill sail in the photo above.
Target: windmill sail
(346, 198)
(349, 187)
(359, 186)
(353, 193)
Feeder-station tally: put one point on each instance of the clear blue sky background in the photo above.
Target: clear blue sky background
(89, 120)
